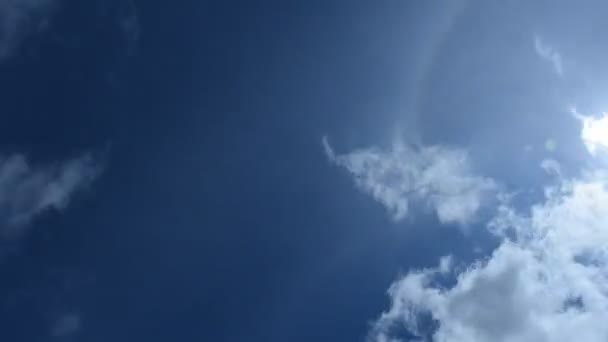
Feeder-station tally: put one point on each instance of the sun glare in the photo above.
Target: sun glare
(594, 132)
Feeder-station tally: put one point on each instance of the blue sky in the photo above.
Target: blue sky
(315, 171)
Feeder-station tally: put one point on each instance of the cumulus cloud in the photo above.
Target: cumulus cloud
(21, 18)
(437, 177)
(28, 190)
(549, 54)
(548, 280)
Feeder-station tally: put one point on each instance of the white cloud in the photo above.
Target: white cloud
(437, 177)
(549, 54)
(548, 281)
(27, 191)
(21, 18)
(445, 264)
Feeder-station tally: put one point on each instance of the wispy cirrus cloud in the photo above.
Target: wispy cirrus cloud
(432, 176)
(21, 18)
(27, 190)
(549, 54)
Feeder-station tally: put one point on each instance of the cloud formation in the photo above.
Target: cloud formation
(549, 282)
(546, 282)
(436, 177)
(26, 191)
(19, 19)
(549, 54)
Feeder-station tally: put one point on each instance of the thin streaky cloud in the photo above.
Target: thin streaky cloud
(549, 54)
(28, 190)
(20, 19)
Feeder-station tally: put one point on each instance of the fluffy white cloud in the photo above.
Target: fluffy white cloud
(27, 191)
(549, 54)
(548, 281)
(19, 19)
(436, 177)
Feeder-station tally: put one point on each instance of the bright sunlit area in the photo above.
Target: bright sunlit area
(594, 132)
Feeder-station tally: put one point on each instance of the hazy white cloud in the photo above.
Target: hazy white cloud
(548, 280)
(28, 190)
(551, 167)
(437, 177)
(549, 54)
(21, 18)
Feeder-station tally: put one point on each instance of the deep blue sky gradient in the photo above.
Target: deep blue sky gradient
(218, 217)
